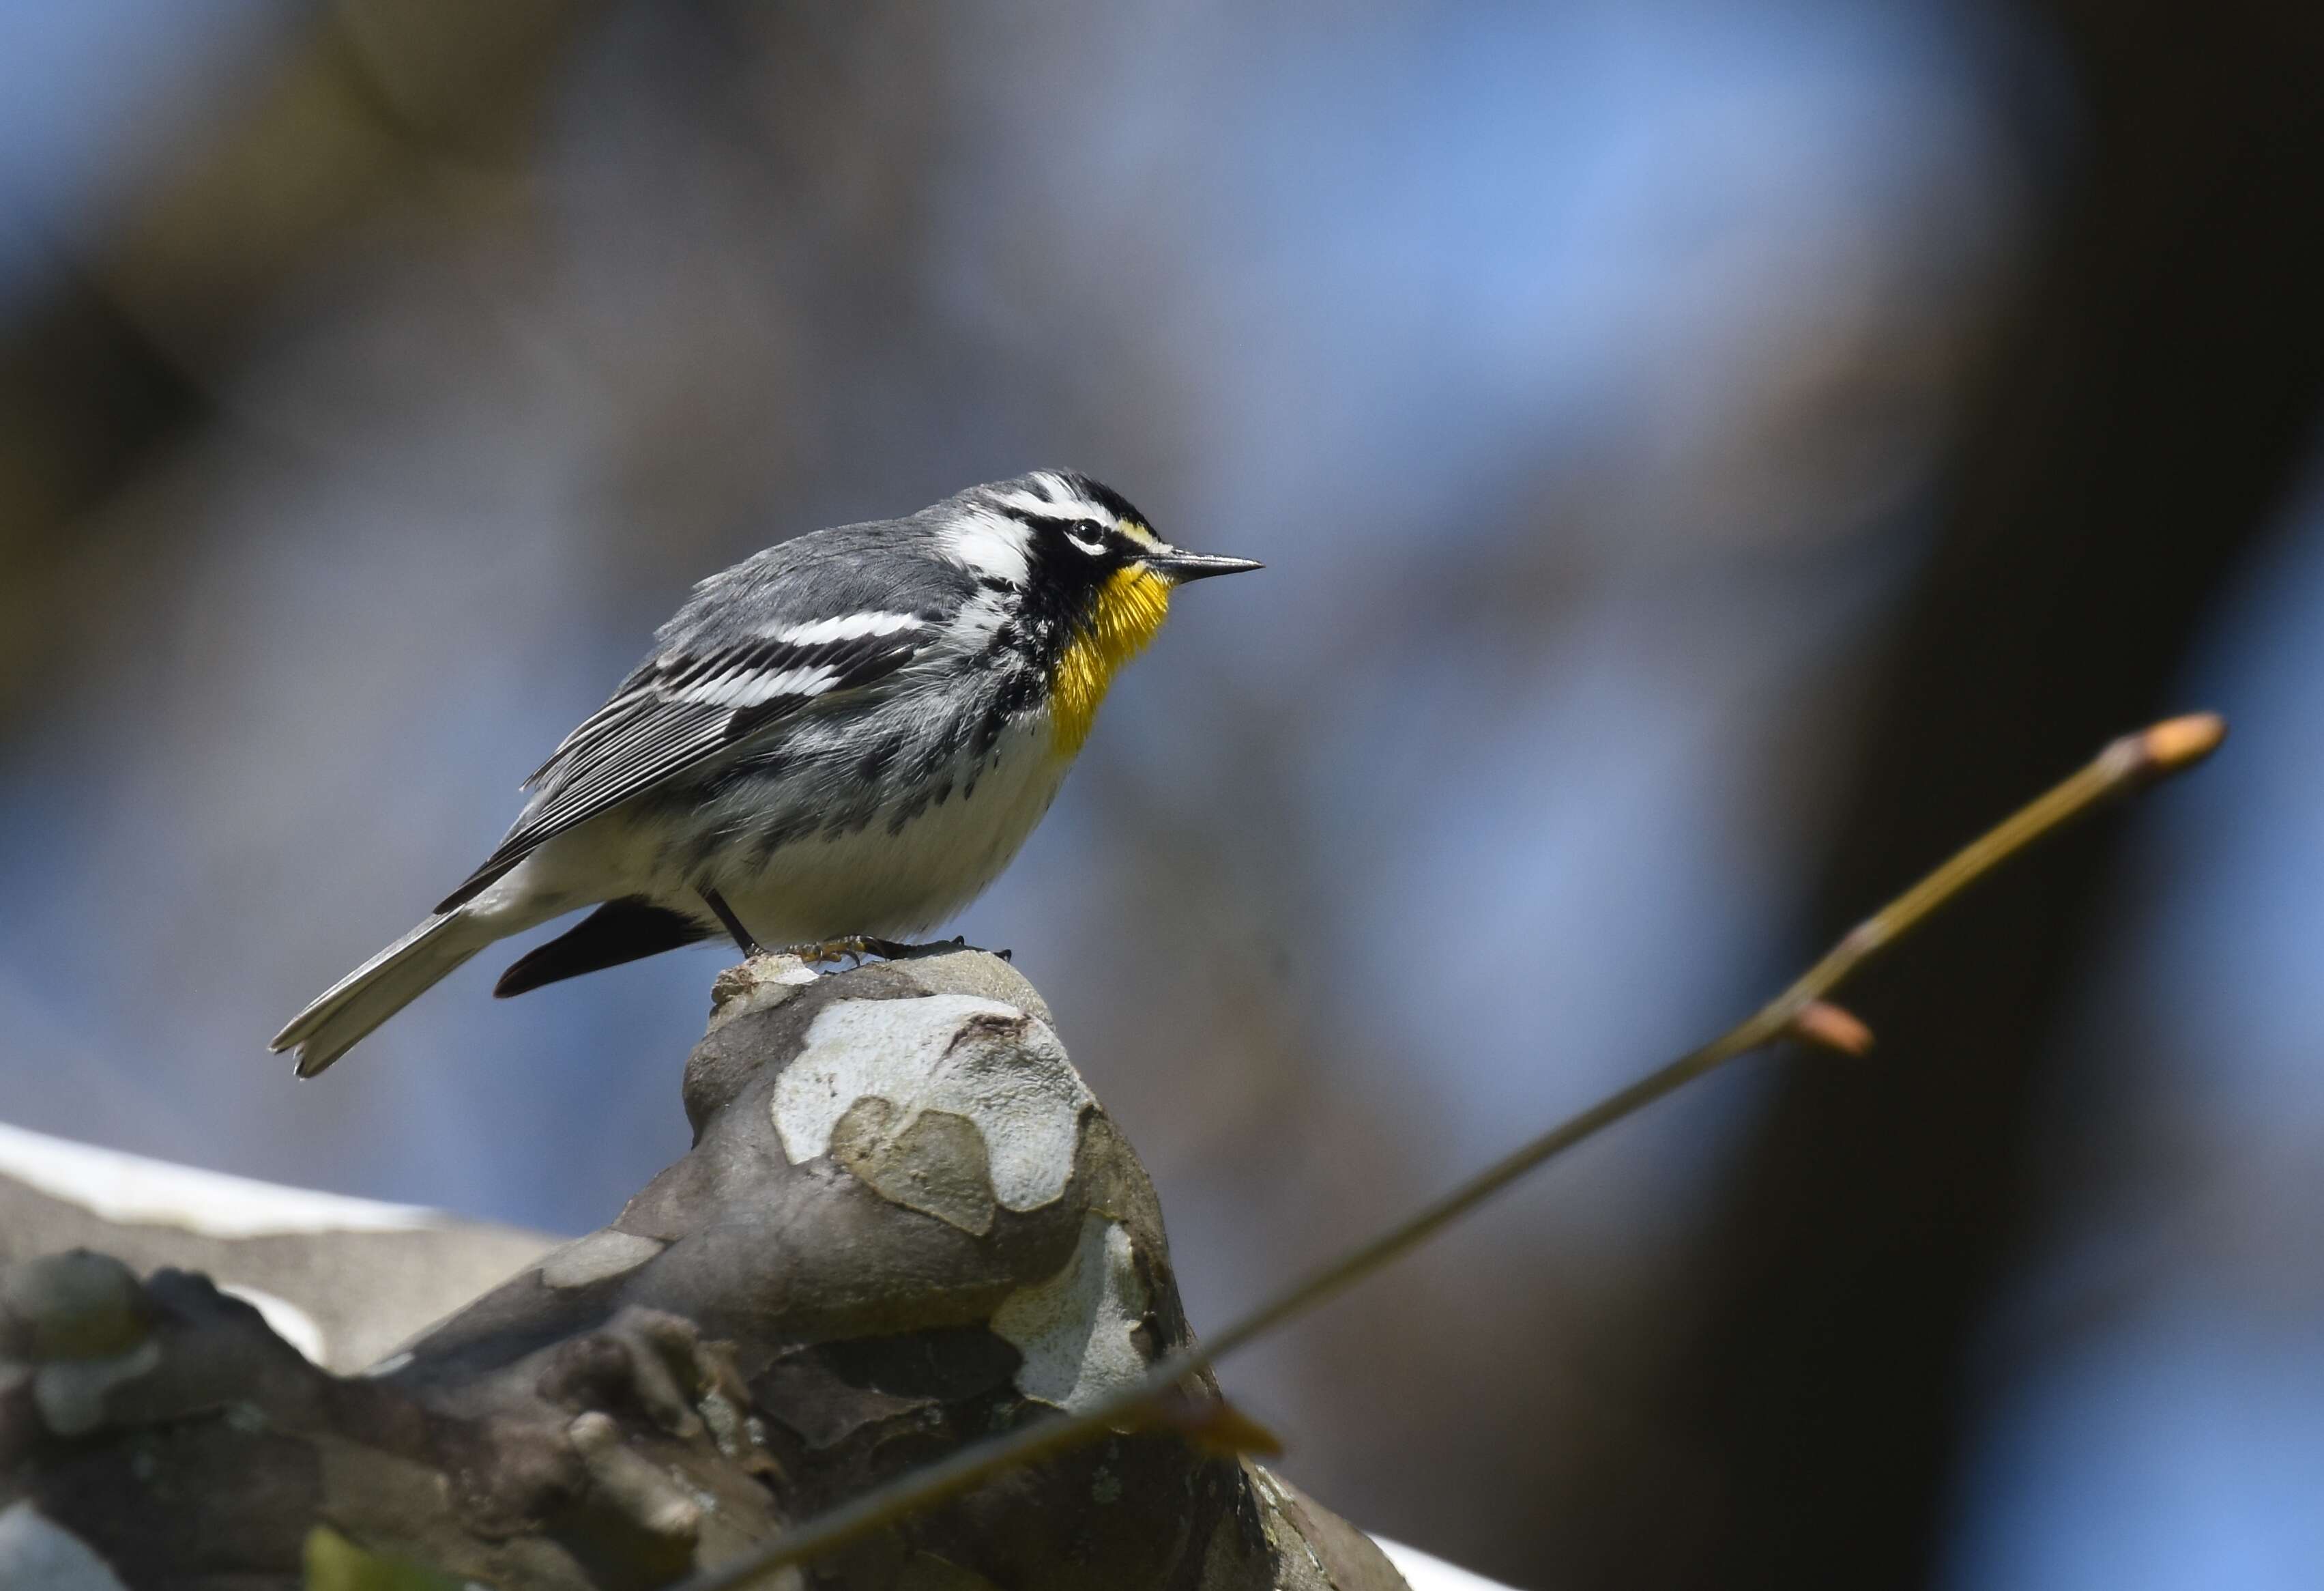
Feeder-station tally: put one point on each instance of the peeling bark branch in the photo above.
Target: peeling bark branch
(904, 1226)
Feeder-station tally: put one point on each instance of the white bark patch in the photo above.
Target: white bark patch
(1004, 1071)
(760, 984)
(284, 1319)
(1424, 1572)
(135, 1192)
(1075, 1329)
(41, 1555)
(596, 1257)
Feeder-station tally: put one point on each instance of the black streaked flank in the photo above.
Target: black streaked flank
(872, 768)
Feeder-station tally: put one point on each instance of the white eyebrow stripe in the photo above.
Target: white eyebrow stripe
(847, 627)
(1068, 509)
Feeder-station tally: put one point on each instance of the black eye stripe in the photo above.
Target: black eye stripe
(1093, 538)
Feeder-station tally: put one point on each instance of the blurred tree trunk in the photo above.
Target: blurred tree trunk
(135, 332)
(2145, 411)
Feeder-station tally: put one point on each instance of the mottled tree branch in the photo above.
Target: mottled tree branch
(904, 1225)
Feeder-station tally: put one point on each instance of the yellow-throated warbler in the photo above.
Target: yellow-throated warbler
(847, 735)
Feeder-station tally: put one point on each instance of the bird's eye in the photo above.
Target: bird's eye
(1088, 536)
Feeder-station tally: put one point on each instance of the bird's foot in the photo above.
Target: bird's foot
(850, 948)
(854, 947)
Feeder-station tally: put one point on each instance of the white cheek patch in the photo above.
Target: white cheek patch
(991, 544)
(851, 626)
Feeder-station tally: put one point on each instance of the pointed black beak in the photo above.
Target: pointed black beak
(1183, 566)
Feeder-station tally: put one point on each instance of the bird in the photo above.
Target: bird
(834, 744)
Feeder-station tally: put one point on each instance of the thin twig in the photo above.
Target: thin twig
(2128, 763)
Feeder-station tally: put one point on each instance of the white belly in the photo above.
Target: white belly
(895, 884)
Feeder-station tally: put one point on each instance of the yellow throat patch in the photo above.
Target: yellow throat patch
(1130, 607)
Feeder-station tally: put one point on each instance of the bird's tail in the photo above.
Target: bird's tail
(389, 981)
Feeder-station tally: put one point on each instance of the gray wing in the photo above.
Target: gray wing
(717, 681)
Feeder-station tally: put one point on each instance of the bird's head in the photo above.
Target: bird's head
(1092, 578)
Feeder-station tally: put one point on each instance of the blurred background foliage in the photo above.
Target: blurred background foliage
(1712, 456)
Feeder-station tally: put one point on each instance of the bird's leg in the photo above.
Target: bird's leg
(732, 923)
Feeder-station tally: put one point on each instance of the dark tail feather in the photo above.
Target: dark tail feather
(615, 932)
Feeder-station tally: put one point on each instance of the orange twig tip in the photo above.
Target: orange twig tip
(2175, 743)
(1828, 1027)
